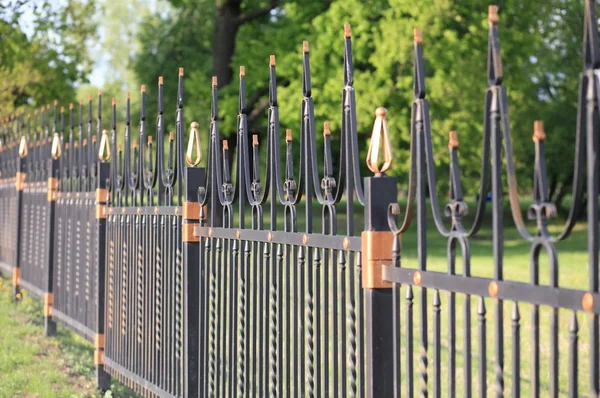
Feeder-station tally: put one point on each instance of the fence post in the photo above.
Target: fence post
(102, 378)
(53, 181)
(377, 240)
(20, 178)
(193, 179)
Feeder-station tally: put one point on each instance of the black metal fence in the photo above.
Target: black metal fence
(241, 281)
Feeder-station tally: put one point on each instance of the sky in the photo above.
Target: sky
(101, 58)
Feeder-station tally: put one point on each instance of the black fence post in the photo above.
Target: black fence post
(377, 241)
(53, 168)
(102, 378)
(20, 178)
(193, 179)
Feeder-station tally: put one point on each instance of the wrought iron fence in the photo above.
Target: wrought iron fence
(219, 281)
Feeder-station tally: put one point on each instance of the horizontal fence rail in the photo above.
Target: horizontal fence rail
(255, 275)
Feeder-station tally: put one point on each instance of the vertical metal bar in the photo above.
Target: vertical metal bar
(397, 325)
(516, 351)
(481, 312)
(437, 355)
(102, 378)
(573, 355)
(380, 191)
(193, 179)
(409, 343)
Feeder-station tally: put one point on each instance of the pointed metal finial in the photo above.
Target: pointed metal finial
(56, 151)
(23, 147)
(193, 154)
(104, 150)
(380, 138)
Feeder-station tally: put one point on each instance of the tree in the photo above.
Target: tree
(43, 56)
(540, 45)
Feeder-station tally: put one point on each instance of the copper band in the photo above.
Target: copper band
(101, 195)
(187, 233)
(20, 180)
(99, 341)
(191, 210)
(376, 252)
(98, 357)
(100, 211)
(48, 303)
(16, 276)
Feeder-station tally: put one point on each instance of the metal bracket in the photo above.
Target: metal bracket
(98, 357)
(376, 252)
(48, 303)
(100, 212)
(191, 210)
(101, 195)
(52, 189)
(99, 342)
(16, 276)
(20, 180)
(187, 233)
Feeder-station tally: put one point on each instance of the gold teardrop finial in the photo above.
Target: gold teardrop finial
(104, 150)
(380, 140)
(23, 147)
(56, 150)
(193, 155)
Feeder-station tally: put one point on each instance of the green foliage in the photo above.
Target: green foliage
(540, 45)
(45, 56)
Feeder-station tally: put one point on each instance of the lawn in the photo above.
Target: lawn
(32, 365)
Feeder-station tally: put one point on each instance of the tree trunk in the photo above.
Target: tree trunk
(227, 15)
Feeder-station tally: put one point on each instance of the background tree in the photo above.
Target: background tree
(43, 51)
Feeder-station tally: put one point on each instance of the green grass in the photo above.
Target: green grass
(32, 365)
